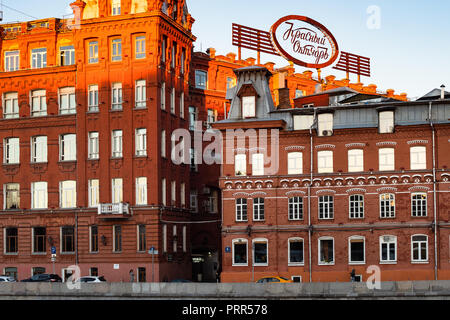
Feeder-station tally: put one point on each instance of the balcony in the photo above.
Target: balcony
(114, 210)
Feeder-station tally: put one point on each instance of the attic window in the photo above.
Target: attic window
(248, 107)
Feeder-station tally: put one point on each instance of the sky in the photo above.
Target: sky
(407, 40)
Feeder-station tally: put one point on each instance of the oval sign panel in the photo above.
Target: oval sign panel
(304, 41)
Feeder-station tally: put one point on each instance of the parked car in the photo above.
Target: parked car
(44, 277)
(92, 279)
(7, 279)
(274, 280)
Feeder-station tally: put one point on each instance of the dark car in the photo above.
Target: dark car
(44, 277)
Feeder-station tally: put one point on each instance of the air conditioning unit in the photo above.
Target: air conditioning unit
(326, 133)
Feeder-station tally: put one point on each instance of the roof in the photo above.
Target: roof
(332, 92)
(434, 94)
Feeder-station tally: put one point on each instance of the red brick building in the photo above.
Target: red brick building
(359, 180)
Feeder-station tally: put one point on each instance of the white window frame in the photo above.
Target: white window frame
(359, 239)
(141, 142)
(182, 105)
(320, 262)
(193, 198)
(389, 240)
(117, 143)
(93, 193)
(116, 96)
(172, 101)
(386, 159)
(116, 7)
(140, 47)
(164, 191)
(327, 202)
(68, 95)
(241, 214)
(116, 190)
(248, 107)
(93, 52)
(173, 192)
(163, 143)
(240, 164)
(258, 209)
(68, 194)
(93, 145)
(257, 164)
(12, 60)
(39, 149)
(140, 94)
(356, 160)
(201, 79)
(386, 122)
(419, 243)
(295, 163)
(419, 207)
(325, 161)
(357, 205)
(183, 194)
(163, 95)
(262, 241)
(68, 147)
(116, 50)
(67, 55)
(6, 191)
(293, 264)
(39, 195)
(38, 101)
(418, 158)
(295, 208)
(93, 98)
(38, 58)
(389, 213)
(233, 243)
(11, 150)
(11, 105)
(141, 191)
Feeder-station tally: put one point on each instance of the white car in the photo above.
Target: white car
(92, 279)
(7, 279)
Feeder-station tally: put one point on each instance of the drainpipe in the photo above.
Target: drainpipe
(309, 195)
(434, 193)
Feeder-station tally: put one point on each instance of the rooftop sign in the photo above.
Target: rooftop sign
(304, 41)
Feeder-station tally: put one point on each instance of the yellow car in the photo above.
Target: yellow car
(274, 280)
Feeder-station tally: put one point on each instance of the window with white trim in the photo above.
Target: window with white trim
(193, 200)
(163, 143)
(67, 239)
(12, 60)
(295, 252)
(164, 192)
(386, 122)
(116, 50)
(240, 252)
(419, 204)
(93, 51)
(116, 96)
(419, 248)
(67, 55)
(141, 191)
(68, 194)
(201, 79)
(387, 205)
(326, 207)
(139, 45)
(10, 105)
(164, 237)
(258, 209)
(241, 209)
(39, 239)
(325, 124)
(295, 163)
(141, 142)
(38, 58)
(115, 7)
(172, 101)
(356, 206)
(418, 157)
(11, 151)
(93, 193)
(295, 208)
(117, 137)
(38, 103)
(93, 145)
(39, 195)
(11, 240)
(174, 55)
(240, 165)
(355, 160)
(210, 118)
(388, 249)
(386, 159)
(249, 107)
(67, 103)
(183, 194)
(326, 250)
(325, 161)
(257, 164)
(356, 250)
(182, 60)
(93, 98)
(163, 49)
(11, 196)
(260, 252)
(163, 96)
(117, 190)
(173, 192)
(182, 105)
(68, 147)
(140, 94)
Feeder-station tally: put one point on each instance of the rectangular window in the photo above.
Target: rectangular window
(117, 190)
(39, 240)
(117, 238)
(116, 96)
(325, 161)
(163, 143)
(326, 251)
(193, 200)
(241, 209)
(11, 272)
(39, 195)
(67, 240)
(172, 101)
(201, 79)
(142, 242)
(116, 50)
(355, 160)
(257, 164)
(164, 237)
(182, 105)
(193, 156)
(39, 149)
(12, 60)
(163, 49)
(388, 249)
(296, 208)
(38, 103)
(240, 252)
(184, 239)
(11, 240)
(386, 122)
(93, 52)
(174, 238)
(141, 94)
(163, 96)
(11, 151)
(140, 47)
(164, 192)
(142, 276)
(386, 159)
(387, 205)
(173, 193)
(11, 196)
(174, 55)
(67, 55)
(38, 58)
(141, 191)
(258, 209)
(67, 103)
(326, 207)
(192, 117)
(249, 107)
(115, 7)
(260, 256)
(93, 98)
(418, 157)
(141, 142)
(94, 193)
(295, 163)
(93, 238)
(93, 145)
(419, 204)
(240, 165)
(303, 122)
(183, 194)
(325, 124)
(117, 144)
(68, 147)
(68, 194)
(182, 62)
(295, 251)
(356, 206)
(210, 118)
(419, 248)
(10, 105)
(356, 250)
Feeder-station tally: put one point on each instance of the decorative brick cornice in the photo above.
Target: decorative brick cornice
(354, 190)
(387, 189)
(355, 145)
(386, 143)
(325, 146)
(292, 148)
(415, 142)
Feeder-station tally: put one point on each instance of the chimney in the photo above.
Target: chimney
(442, 92)
(211, 52)
(283, 96)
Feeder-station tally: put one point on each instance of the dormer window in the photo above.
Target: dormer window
(249, 107)
(386, 121)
